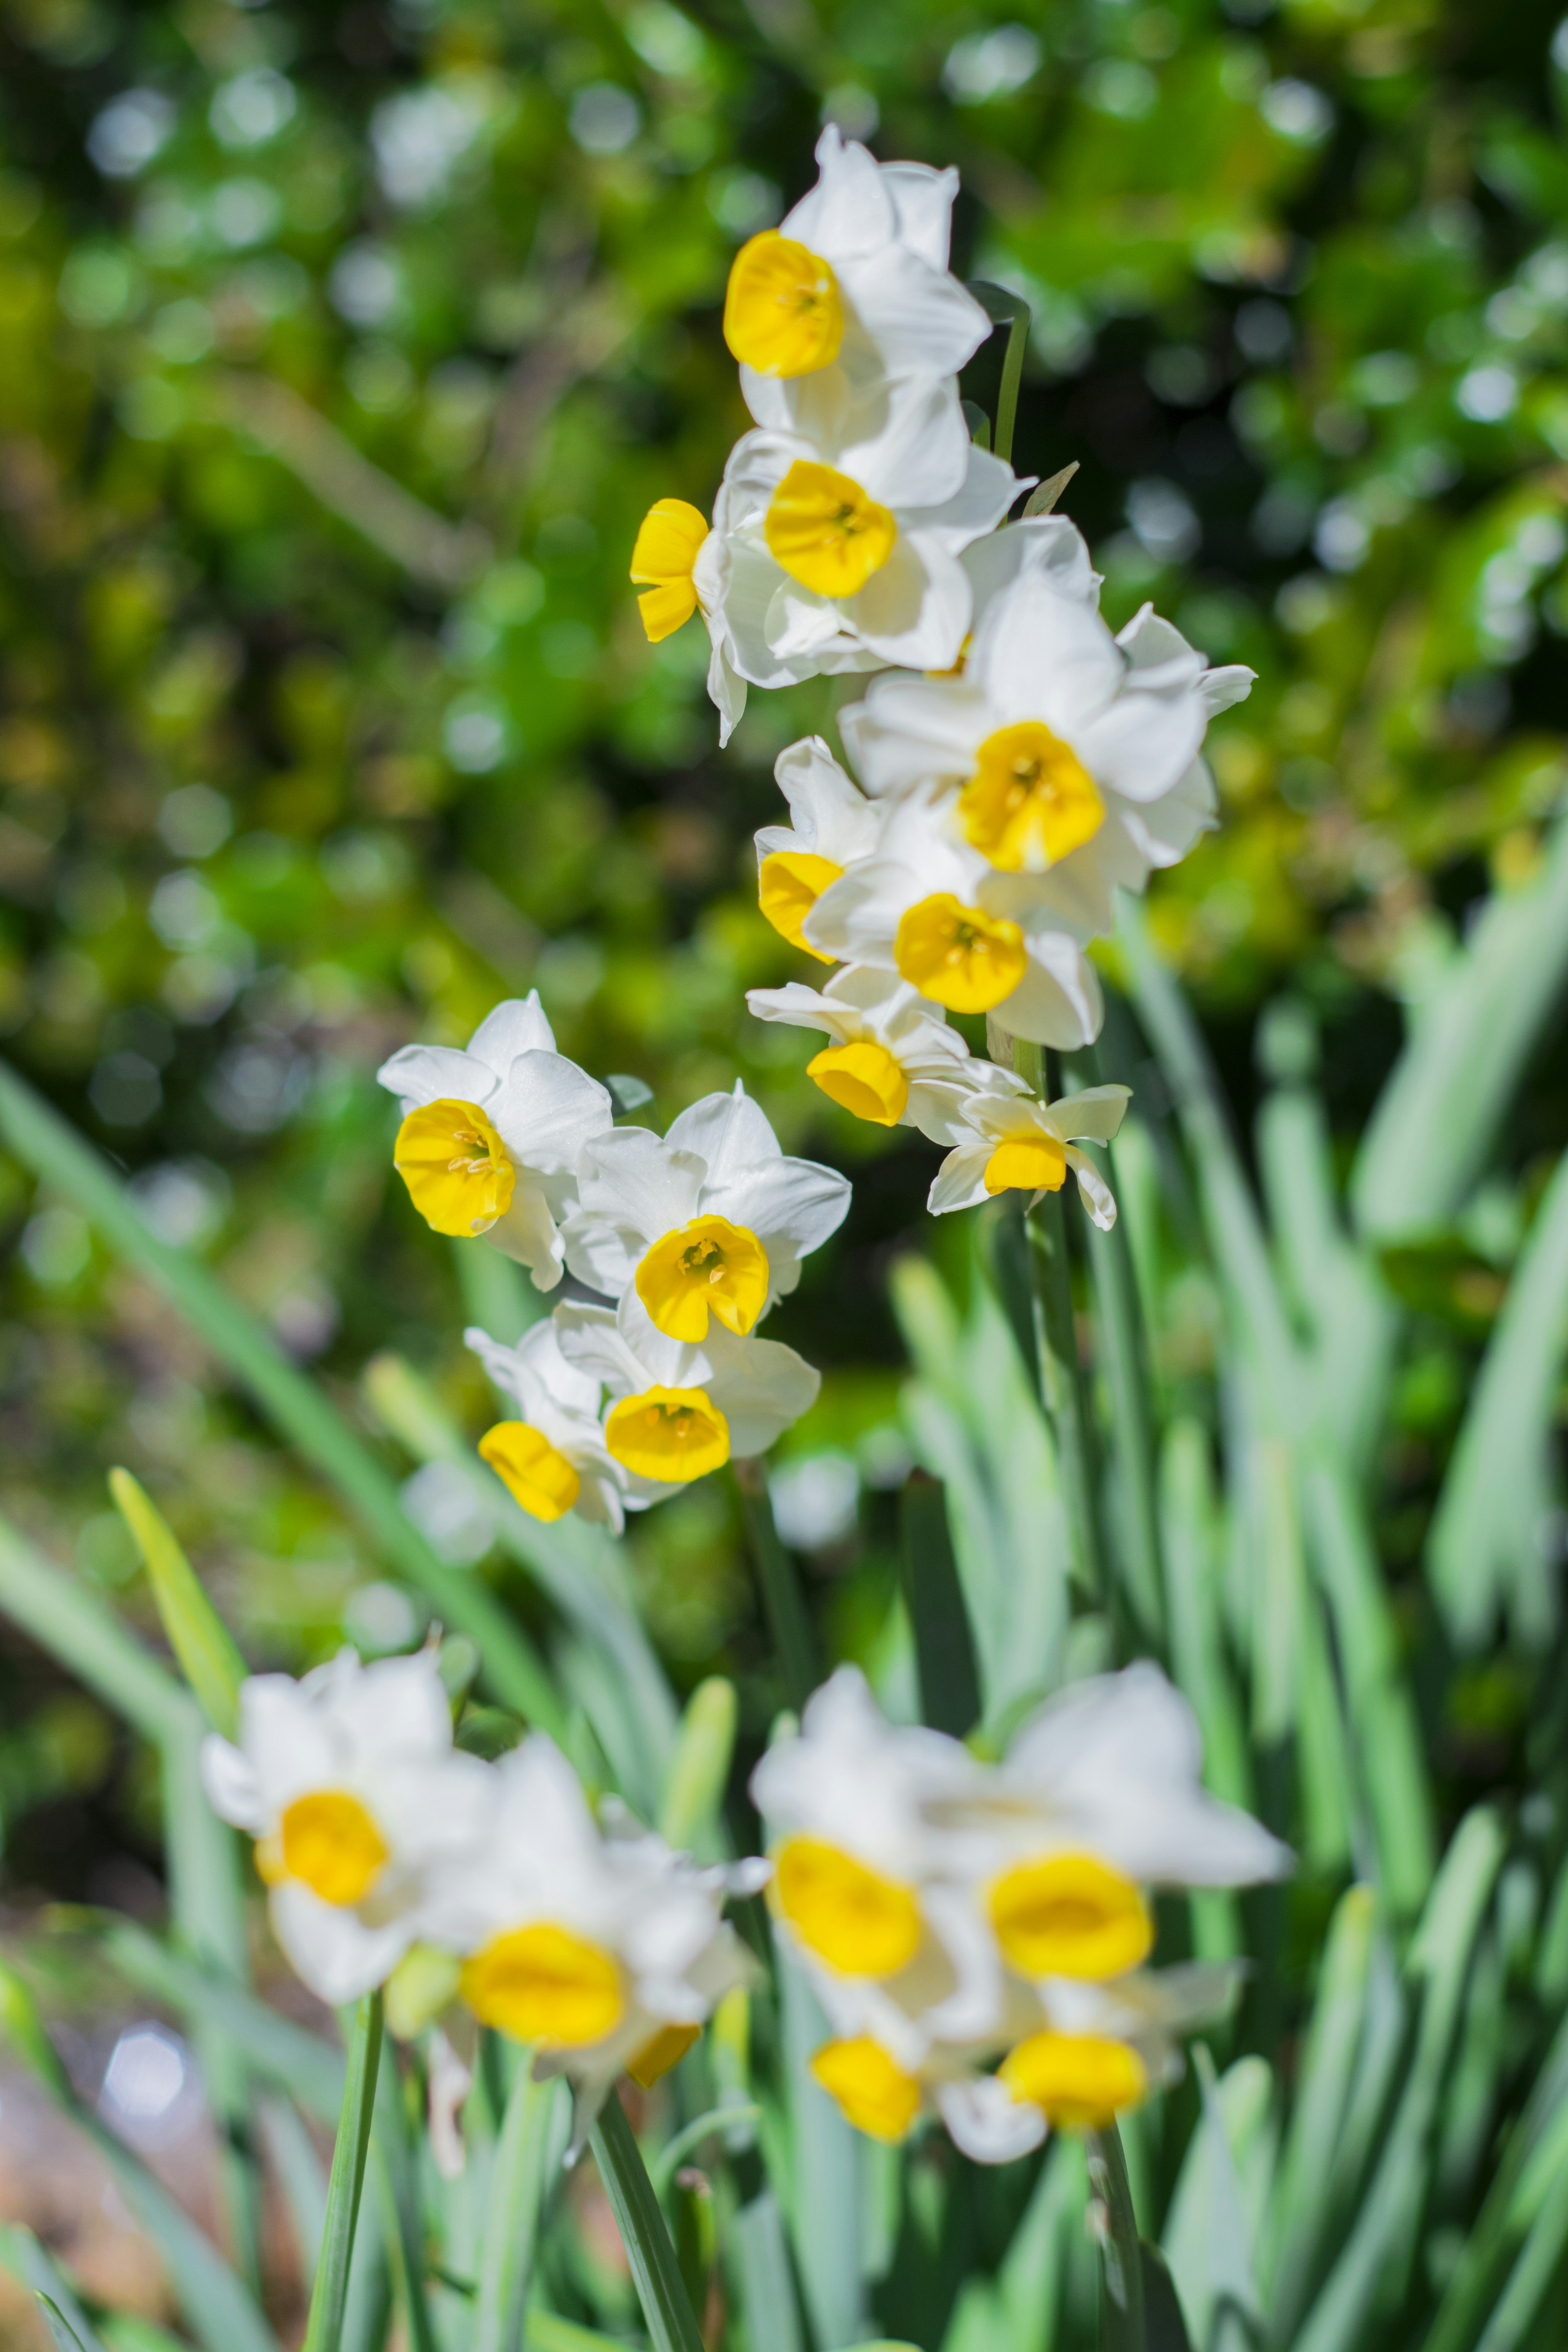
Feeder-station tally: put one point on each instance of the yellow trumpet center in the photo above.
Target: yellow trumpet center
(860, 1923)
(666, 549)
(671, 1434)
(544, 1984)
(1080, 2079)
(1035, 1164)
(782, 314)
(1031, 800)
(535, 1472)
(789, 884)
(328, 1841)
(1068, 1915)
(455, 1166)
(864, 1078)
(875, 2095)
(959, 956)
(706, 1267)
(666, 2049)
(825, 532)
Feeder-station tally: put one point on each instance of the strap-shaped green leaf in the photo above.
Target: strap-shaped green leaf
(520, 2187)
(672, 2325)
(202, 1643)
(324, 2329)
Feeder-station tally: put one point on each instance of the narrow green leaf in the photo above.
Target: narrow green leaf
(1164, 2327)
(1485, 1539)
(64, 2335)
(324, 2331)
(1540, 2259)
(1002, 306)
(519, 2188)
(200, 1640)
(1121, 2325)
(778, 1576)
(690, 1817)
(548, 2332)
(767, 2285)
(33, 2266)
(1534, 2154)
(298, 1407)
(650, 2252)
(945, 1646)
(1298, 2206)
(77, 1627)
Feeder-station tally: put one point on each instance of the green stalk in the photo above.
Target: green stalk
(999, 305)
(1065, 1384)
(517, 2194)
(298, 1407)
(672, 2325)
(1122, 2312)
(324, 2332)
(783, 1598)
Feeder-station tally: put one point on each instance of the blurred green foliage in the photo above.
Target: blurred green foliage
(342, 349)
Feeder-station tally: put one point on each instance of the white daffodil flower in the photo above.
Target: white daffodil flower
(852, 288)
(1018, 1144)
(349, 1785)
(599, 1946)
(490, 1136)
(1100, 2048)
(840, 550)
(862, 1885)
(1075, 753)
(831, 823)
(708, 1225)
(893, 1060)
(683, 1410)
(927, 905)
(553, 1458)
(884, 2094)
(675, 562)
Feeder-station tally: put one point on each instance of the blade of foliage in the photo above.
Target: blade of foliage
(200, 1640)
(77, 1627)
(1132, 1510)
(324, 2331)
(1435, 1118)
(944, 1648)
(1122, 2311)
(214, 2303)
(395, 2162)
(1209, 2238)
(1533, 2155)
(760, 2256)
(778, 1578)
(690, 1816)
(1382, 2244)
(1485, 1539)
(298, 1407)
(63, 2336)
(650, 2250)
(518, 2184)
(36, 2268)
(1002, 307)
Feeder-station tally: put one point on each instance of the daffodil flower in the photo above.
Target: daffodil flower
(676, 560)
(831, 823)
(349, 1783)
(595, 1943)
(1018, 1144)
(886, 1931)
(708, 1225)
(490, 1136)
(552, 1456)
(1076, 754)
(681, 1410)
(840, 550)
(853, 284)
(893, 1060)
(924, 904)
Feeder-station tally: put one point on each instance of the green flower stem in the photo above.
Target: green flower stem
(671, 2324)
(324, 2332)
(1065, 1384)
(783, 1598)
(1122, 2325)
(298, 1407)
(999, 305)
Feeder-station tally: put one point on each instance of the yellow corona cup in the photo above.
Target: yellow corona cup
(860, 1923)
(455, 1166)
(863, 1077)
(328, 1840)
(535, 1472)
(875, 2093)
(1080, 2080)
(789, 884)
(826, 531)
(1068, 1915)
(1031, 801)
(959, 956)
(705, 1268)
(782, 313)
(1034, 1164)
(663, 559)
(671, 1434)
(543, 1983)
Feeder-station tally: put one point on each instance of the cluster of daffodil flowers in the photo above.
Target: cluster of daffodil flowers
(976, 1931)
(1017, 762)
(477, 1892)
(682, 1244)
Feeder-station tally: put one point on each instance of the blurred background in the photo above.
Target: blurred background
(342, 350)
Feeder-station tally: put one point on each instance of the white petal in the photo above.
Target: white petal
(330, 1947)
(428, 1074)
(633, 1178)
(923, 201)
(977, 504)
(1142, 742)
(547, 1109)
(829, 811)
(986, 2123)
(1098, 1197)
(1097, 1113)
(760, 1386)
(919, 318)
(518, 1026)
(528, 1234)
(729, 1131)
(793, 1201)
(1045, 546)
(916, 609)
(960, 1182)
(909, 729)
(1222, 687)
(232, 1789)
(1057, 1002)
(849, 211)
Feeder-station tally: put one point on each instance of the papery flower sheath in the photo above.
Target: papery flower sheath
(831, 823)
(596, 1945)
(708, 1225)
(552, 1458)
(490, 1136)
(1074, 754)
(893, 1059)
(925, 904)
(1015, 1143)
(349, 1783)
(681, 1410)
(851, 289)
